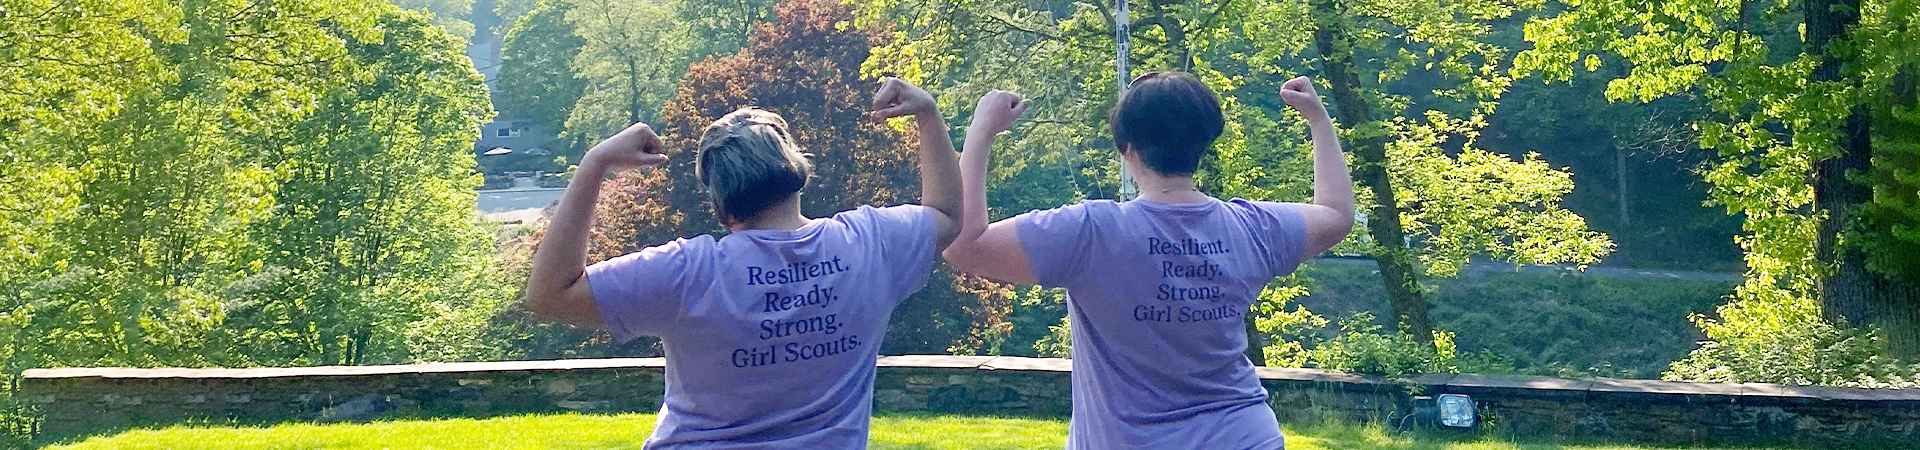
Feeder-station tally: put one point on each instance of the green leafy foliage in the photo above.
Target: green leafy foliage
(1286, 330)
(721, 27)
(1475, 202)
(217, 183)
(535, 78)
(1363, 348)
(632, 57)
(448, 14)
(1567, 324)
(1781, 104)
(1782, 339)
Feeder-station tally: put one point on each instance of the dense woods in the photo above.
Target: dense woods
(290, 182)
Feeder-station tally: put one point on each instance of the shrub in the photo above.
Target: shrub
(1362, 348)
(1767, 334)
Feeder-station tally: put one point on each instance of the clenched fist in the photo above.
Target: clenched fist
(1299, 94)
(632, 148)
(900, 98)
(997, 110)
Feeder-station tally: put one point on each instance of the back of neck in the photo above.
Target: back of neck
(782, 216)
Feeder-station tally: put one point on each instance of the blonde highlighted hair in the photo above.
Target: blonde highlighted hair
(748, 162)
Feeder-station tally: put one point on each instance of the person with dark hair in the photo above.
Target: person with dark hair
(772, 331)
(1158, 288)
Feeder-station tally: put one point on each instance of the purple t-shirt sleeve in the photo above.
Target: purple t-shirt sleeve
(1282, 231)
(639, 293)
(905, 236)
(1058, 242)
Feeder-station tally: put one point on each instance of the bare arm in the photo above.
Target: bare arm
(989, 250)
(939, 168)
(557, 287)
(1330, 217)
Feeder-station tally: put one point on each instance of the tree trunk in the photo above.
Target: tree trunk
(1256, 344)
(1620, 177)
(1334, 39)
(1851, 294)
(633, 91)
(1177, 50)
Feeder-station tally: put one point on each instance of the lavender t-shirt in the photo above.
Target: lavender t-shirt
(771, 335)
(1158, 294)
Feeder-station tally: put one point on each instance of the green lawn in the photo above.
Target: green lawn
(577, 431)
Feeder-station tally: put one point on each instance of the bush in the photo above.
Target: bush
(1567, 324)
(1058, 342)
(1286, 332)
(1769, 335)
(1362, 348)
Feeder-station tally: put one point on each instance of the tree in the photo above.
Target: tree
(1457, 205)
(632, 57)
(535, 78)
(238, 184)
(722, 27)
(1813, 138)
(449, 14)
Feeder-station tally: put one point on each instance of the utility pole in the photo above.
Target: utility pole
(1122, 27)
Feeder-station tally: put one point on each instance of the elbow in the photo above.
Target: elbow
(952, 254)
(959, 254)
(537, 305)
(540, 303)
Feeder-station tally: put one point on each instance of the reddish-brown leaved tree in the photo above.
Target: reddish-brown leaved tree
(804, 67)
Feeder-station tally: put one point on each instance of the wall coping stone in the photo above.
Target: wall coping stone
(1518, 382)
(1316, 375)
(325, 371)
(1666, 387)
(1832, 393)
(1027, 364)
(1442, 382)
(934, 361)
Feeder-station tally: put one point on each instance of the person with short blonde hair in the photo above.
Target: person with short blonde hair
(747, 162)
(771, 331)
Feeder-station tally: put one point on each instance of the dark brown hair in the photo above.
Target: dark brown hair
(1171, 118)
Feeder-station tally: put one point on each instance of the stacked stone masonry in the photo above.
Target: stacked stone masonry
(87, 401)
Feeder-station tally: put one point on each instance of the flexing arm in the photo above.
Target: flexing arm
(1330, 217)
(557, 287)
(989, 250)
(939, 172)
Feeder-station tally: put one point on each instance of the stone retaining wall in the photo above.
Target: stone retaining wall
(86, 401)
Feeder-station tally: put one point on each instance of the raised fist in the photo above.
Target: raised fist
(632, 148)
(900, 98)
(997, 111)
(1299, 94)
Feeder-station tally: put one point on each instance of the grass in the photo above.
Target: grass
(628, 431)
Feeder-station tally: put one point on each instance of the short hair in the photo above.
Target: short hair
(747, 162)
(1171, 118)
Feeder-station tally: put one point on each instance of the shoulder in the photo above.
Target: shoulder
(701, 243)
(867, 213)
(675, 250)
(1082, 210)
(1274, 211)
(679, 256)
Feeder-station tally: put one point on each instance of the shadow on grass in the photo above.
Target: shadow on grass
(1344, 436)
